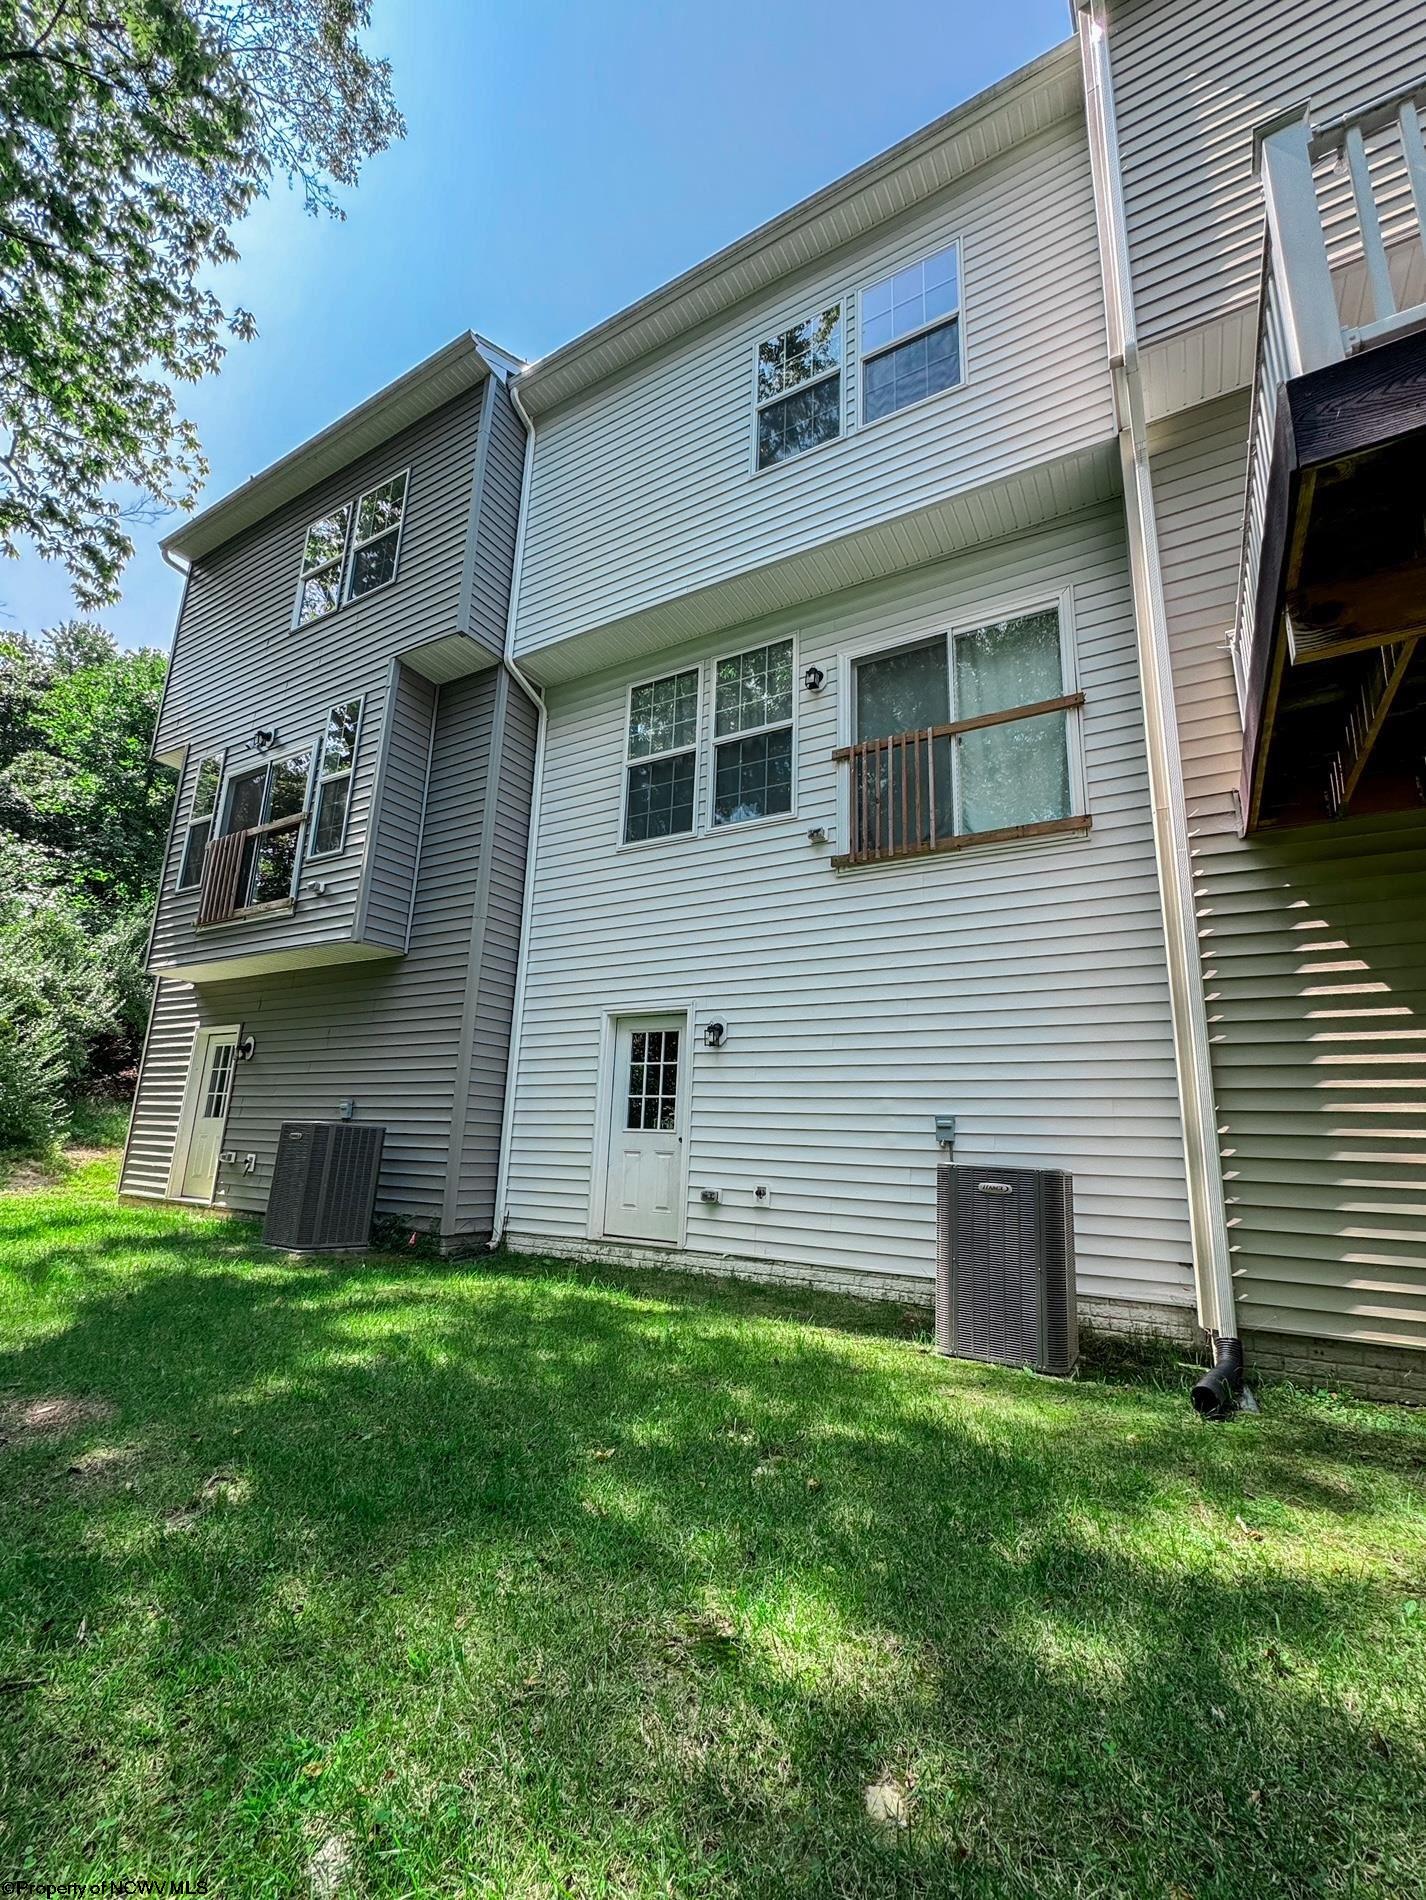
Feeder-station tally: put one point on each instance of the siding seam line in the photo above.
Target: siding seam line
(477, 503)
(375, 807)
(470, 1010)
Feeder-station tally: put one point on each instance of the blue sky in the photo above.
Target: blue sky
(561, 161)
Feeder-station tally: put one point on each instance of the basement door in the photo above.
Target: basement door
(210, 1084)
(645, 1184)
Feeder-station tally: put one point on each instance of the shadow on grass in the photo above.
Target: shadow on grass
(559, 1578)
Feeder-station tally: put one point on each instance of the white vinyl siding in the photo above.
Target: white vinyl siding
(1189, 89)
(642, 491)
(1314, 959)
(1021, 989)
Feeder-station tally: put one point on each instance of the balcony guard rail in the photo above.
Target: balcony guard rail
(897, 799)
(1312, 228)
(223, 864)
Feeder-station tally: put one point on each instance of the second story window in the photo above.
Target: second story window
(329, 827)
(752, 734)
(376, 537)
(320, 589)
(200, 821)
(268, 804)
(911, 334)
(799, 387)
(661, 757)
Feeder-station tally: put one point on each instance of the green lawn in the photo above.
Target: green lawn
(388, 1579)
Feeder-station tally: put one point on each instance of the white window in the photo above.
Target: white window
(269, 802)
(339, 743)
(376, 537)
(320, 587)
(961, 735)
(799, 387)
(752, 734)
(661, 757)
(200, 821)
(910, 334)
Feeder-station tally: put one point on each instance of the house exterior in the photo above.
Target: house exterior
(1263, 198)
(338, 923)
(936, 680)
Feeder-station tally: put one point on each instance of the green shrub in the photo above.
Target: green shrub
(32, 1101)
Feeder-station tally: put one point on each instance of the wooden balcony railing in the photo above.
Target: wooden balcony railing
(902, 790)
(228, 870)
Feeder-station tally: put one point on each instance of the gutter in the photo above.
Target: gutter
(500, 1211)
(1208, 1225)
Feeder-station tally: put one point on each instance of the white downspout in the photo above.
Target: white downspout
(1208, 1225)
(517, 1017)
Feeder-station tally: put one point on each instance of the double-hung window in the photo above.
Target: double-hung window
(200, 821)
(334, 784)
(376, 537)
(964, 735)
(661, 757)
(799, 387)
(269, 802)
(323, 553)
(910, 335)
(752, 734)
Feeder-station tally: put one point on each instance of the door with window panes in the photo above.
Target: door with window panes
(270, 802)
(968, 745)
(645, 1179)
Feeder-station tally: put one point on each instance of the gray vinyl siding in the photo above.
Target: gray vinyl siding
(391, 861)
(239, 663)
(504, 898)
(321, 918)
(158, 1096)
(643, 492)
(490, 551)
(1020, 988)
(1190, 87)
(387, 1035)
(1314, 959)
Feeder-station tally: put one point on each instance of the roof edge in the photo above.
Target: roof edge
(461, 364)
(561, 361)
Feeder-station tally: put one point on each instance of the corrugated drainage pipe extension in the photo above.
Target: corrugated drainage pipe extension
(1220, 1390)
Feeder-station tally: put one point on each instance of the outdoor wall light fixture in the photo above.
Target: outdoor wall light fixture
(715, 1035)
(246, 1049)
(265, 738)
(814, 679)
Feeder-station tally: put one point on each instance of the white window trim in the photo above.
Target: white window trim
(709, 828)
(241, 769)
(869, 356)
(946, 627)
(221, 756)
(319, 777)
(354, 546)
(841, 299)
(340, 563)
(669, 752)
(705, 750)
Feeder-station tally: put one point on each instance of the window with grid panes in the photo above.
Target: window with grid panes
(799, 387)
(661, 757)
(910, 337)
(752, 730)
(653, 1079)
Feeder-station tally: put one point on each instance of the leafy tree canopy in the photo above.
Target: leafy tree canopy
(76, 781)
(134, 134)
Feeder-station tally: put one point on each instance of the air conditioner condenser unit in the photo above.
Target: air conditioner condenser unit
(1005, 1267)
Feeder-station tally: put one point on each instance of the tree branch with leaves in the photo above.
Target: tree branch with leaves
(134, 136)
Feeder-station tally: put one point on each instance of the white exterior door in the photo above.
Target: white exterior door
(645, 1185)
(211, 1083)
